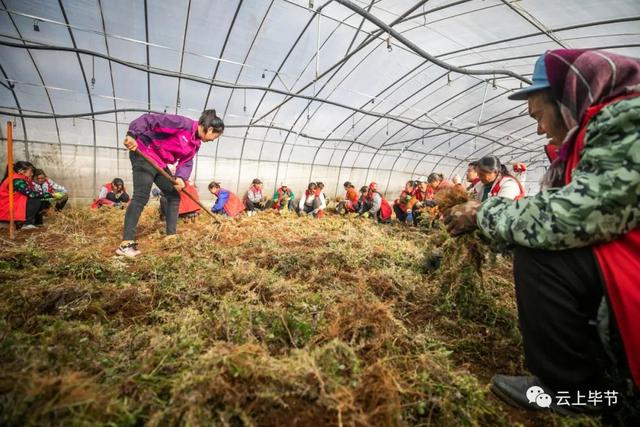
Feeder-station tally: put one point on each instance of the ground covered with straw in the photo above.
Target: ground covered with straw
(261, 321)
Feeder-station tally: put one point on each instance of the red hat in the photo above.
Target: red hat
(373, 186)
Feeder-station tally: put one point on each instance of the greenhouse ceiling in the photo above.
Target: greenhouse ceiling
(377, 90)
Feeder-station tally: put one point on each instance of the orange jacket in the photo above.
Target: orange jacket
(418, 196)
(352, 195)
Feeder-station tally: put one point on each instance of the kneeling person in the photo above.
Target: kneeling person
(227, 203)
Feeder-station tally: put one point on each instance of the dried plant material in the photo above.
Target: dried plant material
(257, 321)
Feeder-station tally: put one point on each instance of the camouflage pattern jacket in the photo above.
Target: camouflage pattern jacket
(601, 202)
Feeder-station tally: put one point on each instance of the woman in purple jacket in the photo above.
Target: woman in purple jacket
(166, 139)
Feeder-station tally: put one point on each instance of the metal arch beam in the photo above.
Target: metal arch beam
(184, 42)
(277, 109)
(572, 27)
(146, 38)
(273, 79)
(198, 79)
(535, 24)
(337, 69)
(343, 61)
(253, 41)
(84, 77)
(402, 18)
(17, 101)
(224, 46)
(46, 115)
(514, 38)
(35, 65)
(226, 85)
(113, 88)
(371, 37)
(519, 57)
(468, 140)
(380, 24)
(424, 156)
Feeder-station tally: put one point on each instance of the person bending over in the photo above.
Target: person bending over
(28, 204)
(227, 203)
(43, 184)
(166, 139)
(113, 194)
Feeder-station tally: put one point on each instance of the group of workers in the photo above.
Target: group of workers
(576, 243)
(34, 193)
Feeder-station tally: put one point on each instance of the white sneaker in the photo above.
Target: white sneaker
(29, 227)
(130, 250)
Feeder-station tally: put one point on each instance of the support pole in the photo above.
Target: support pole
(12, 231)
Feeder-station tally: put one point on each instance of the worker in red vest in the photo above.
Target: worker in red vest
(377, 206)
(227, 203)
(496, 181)
(28, 204)
(112, 194)
(577, 247)
(400, 204)
(350, 202)
(188, 209)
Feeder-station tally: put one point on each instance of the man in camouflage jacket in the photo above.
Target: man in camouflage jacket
(576, 245)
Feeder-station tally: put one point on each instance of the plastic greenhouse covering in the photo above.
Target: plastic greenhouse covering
(309, 89)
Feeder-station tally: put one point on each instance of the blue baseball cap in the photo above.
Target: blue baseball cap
(539, 79)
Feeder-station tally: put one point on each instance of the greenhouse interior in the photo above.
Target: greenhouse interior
(320, 212)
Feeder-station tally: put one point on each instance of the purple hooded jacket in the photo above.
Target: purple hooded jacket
(167, 139)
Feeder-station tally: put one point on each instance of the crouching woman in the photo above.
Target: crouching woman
(227, 203)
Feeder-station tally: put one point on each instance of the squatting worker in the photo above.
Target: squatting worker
(166, 139)
(577, 246)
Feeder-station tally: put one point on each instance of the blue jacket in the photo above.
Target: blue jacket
(223, 196)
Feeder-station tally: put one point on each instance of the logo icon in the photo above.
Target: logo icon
(543, 400)
(536, 394)
(533, 392)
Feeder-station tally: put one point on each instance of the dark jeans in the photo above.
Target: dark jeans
(558, 293)
(60, 204)
(400, 214)
(143, 178)
(35, 209)
(251, 206)
(122, 198)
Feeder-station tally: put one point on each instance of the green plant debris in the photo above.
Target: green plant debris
(255, 321)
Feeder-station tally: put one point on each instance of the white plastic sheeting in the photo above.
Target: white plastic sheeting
(385, 115)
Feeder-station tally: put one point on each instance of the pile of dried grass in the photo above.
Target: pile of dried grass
(253, 321)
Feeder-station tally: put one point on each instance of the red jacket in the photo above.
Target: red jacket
(19, 201)
(619, 262)
(186, 204)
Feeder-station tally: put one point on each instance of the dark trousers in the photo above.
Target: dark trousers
(122, 198)
(60, 204)
(307, 209)
(558, 293)
(143, 177)
(400, 214)
(251, 206)
(35, 209)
